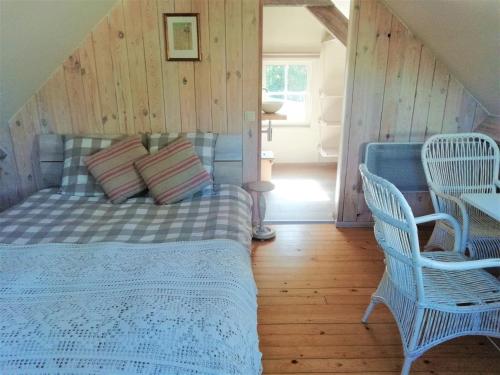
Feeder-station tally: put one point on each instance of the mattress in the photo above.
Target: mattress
(113, 308)
(49, 217)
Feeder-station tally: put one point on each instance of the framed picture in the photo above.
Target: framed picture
(182, 40)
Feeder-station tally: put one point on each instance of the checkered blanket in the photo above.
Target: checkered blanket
(49, 217)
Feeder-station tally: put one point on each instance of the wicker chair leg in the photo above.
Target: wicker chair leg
(407, 366)
(369, 310)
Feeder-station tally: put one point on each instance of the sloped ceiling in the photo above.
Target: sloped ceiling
(465, 36)
(281, 34)
(36, 36)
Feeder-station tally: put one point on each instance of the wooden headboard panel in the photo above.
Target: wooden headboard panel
(227, 165)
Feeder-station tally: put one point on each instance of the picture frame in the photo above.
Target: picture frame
(182, 39)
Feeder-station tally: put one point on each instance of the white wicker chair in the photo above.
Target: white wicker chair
(463, 163)
(434, 296)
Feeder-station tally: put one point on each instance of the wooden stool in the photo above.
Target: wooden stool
(261, 232)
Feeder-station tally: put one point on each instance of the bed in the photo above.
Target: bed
(136, 288)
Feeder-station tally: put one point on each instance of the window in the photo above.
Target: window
(289, 81)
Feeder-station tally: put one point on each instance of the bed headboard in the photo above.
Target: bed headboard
(228, 164)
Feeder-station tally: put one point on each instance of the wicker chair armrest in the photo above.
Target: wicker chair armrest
(458, 243)
(455, 200)
(459, 266)
(464, 216)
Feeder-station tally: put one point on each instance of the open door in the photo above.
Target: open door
(303, 84)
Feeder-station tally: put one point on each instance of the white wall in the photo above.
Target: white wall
(36, 36)
(464, 35)
(300, 144)
(291, 30)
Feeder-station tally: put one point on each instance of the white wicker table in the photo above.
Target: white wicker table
(489, 203)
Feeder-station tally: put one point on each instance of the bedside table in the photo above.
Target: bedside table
(261, 232)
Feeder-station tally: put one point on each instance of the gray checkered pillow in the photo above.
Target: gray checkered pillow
(204, 146)
(76, 178)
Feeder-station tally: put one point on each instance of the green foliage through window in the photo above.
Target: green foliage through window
(275, 77)
(289, 82)
(280, 78)
(297, 78)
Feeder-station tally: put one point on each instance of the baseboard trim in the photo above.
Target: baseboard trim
(292, 222)
(354, 224)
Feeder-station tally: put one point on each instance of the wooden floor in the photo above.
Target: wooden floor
(303, 192)
(314, 284)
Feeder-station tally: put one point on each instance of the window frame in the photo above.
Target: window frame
(287, 61)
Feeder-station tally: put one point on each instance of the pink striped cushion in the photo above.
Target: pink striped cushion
(173, 173)
(114, 169)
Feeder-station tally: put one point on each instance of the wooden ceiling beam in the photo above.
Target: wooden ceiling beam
(297, 3)
(332, 19)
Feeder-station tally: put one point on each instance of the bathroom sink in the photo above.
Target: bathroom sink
(271, 106)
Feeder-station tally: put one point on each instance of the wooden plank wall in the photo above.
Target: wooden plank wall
(118, 81)
(397, 91)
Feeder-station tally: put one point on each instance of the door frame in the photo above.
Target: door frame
(348, 87)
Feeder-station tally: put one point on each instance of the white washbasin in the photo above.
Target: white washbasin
(271, 106)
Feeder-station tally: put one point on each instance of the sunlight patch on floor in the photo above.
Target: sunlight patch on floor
(300, 190)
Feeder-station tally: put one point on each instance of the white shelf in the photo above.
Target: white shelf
(328, 152)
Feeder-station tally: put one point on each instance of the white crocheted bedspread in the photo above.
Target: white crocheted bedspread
(115, 308)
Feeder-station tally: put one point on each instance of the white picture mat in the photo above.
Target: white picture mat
(180, 54)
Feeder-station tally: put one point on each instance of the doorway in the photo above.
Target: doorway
(303, 83)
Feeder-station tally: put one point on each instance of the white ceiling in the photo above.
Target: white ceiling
(463, 34)
(343, 5)
(35, 38)
(291, 30)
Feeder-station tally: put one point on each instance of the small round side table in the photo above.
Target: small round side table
(261, 232)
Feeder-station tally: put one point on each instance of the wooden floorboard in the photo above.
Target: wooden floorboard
(315, 282)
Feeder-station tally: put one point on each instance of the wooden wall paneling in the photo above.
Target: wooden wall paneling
(479, 116)
(76, 97)
(57, 94)
(420, 202)
(400, 84)
(218, 65)
(352, 41)
(491, 127)
(300, 3)
(137, 65)
(234, 66)
(121, 72)
(102, 48)
(438, 99)
(118, 80)
(186, 81)
(202, 69)
(9, 184)
(251, 76)
(53, 106)
(90, 85)
(152, 53)
(467, 113)
(170, 74)
(451, 117)
(423, 95)
(43, 101)
(187, 96)
(367, 102)
(24, 127)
